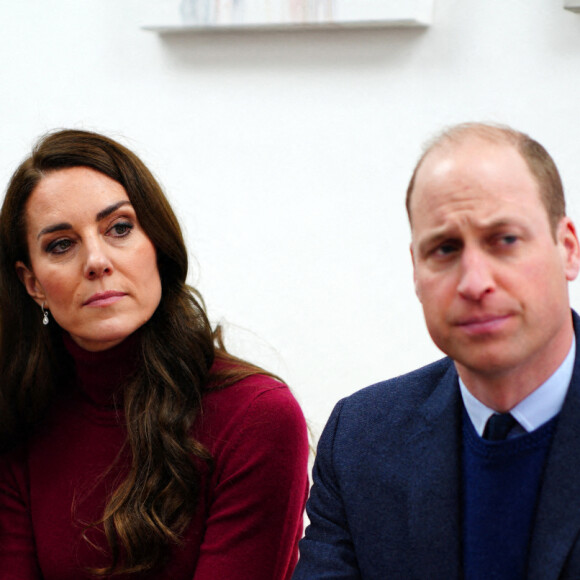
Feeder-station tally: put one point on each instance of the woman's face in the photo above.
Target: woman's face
(91, 263)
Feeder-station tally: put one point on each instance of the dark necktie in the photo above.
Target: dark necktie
(498, 426)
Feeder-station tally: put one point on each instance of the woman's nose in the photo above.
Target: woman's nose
(98, 263)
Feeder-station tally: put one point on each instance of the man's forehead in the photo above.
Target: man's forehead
(472, 160)
(466, 144)
(480, 182)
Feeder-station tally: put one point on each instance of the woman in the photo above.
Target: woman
(134, 445)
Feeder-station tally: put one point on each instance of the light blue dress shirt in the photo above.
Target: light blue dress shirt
(538, 407)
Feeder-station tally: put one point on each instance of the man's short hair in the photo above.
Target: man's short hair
(541, 165)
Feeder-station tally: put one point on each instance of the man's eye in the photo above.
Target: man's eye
(445, 249)
(508, 240)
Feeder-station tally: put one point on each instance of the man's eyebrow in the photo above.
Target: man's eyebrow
(449, 233)
(109, 210)
(430, 241)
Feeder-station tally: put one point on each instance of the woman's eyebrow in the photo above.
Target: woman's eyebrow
(66, 226)
(54, 228)
(110, 209)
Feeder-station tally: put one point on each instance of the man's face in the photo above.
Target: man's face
(490, 276)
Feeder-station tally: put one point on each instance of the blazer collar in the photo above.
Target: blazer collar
(434, 512)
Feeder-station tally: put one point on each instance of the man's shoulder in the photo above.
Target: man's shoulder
(392, 403)
(382, 420)
(407, 389)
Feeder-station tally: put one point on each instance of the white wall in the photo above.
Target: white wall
(287, 155)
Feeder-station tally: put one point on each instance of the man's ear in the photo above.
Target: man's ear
(414, 272)
(32, 285)
(568, 240)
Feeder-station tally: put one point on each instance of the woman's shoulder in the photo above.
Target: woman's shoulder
(256, 390)
(254, 402)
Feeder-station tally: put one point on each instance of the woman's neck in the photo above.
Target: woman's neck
(102, 375)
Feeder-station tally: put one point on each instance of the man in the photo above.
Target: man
(426, 476)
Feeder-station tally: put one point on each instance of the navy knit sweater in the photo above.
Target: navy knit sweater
(501, 481)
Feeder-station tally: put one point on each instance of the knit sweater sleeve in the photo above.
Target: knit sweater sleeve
(17, 549)
(261, 484)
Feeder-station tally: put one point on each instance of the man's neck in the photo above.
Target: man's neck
(502, 391)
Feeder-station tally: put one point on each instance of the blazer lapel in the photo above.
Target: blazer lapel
(435, 498)
(558, 515)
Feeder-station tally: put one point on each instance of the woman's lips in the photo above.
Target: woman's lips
(104, 298)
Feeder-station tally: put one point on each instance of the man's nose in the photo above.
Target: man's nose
(476, 275)
(97, 262)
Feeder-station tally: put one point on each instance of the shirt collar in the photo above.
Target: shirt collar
(538, 407)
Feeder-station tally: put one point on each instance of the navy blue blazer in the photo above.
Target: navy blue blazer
(386, 502)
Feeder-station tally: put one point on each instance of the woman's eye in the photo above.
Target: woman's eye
(121, 229)
(59, 246)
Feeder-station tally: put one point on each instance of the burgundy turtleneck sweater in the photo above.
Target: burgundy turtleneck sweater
(250, 515)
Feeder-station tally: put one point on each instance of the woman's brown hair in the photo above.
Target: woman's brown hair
(149, 509)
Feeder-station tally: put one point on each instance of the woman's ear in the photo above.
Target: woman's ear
(30, 282)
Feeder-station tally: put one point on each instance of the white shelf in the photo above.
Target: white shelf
(345, 14)
(572, 5)
(253, 27)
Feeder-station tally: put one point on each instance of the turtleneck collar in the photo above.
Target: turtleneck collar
(101, 375)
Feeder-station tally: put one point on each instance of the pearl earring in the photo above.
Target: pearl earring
(45, 315)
